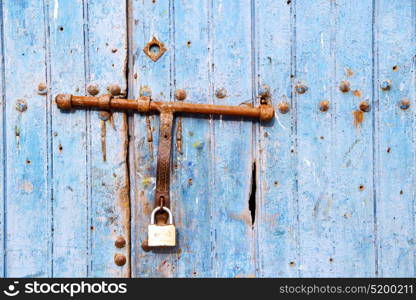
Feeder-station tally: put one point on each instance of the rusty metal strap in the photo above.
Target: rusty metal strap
(163, 159)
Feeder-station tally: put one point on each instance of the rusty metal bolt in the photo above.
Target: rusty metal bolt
(180, 94)
(364, 106)
(404, 103)
(42, 89)
(266, 113)
(114, 89)
(221, 93)
(104, 115)
(344, 86)
(120, 259)
(92, 89)
(301, 88)
(64, 101)
(283, 107)
(324, 105)
(120, 242)
(385, 85)
(21, 105)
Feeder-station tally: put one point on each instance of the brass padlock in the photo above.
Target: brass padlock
(161, 235)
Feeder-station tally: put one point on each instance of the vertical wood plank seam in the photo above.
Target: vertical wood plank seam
(131, 153)
(4, 141)
(375, 125)
(294, 128)
(333, 111)
(255, 156)
(128, 78)
(211, 174)
(413, 131)
(48, 129)
(88, 140)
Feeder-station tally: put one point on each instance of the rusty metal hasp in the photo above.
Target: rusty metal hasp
(163, 235)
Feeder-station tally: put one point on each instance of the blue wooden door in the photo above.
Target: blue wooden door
(326, 189)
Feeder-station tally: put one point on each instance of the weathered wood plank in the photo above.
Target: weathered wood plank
(148, 19)
(191, 172)
(69, 141)
(395, 149)
(314, 72)
(352, 164)
(110, 206)
(232, 154)
(2, 152)
(276, 218)
(28, 205)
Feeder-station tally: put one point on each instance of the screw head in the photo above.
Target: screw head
(404, 103)
(324, 105)
(92, 89)
(301, 88)
(120, 260)
(180, 94)
(120, 242)
(364, 106)
(385, 85)
(283, 107)
(114, 89)
(221, 93)
(344, 86)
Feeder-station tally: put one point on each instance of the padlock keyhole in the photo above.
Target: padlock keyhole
(161, 217)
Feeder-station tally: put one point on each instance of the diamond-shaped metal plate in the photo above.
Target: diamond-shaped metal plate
(154, 49)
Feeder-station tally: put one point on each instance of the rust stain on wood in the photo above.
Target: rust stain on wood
(358, 117)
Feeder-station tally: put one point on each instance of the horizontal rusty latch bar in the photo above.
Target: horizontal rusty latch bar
(264, 112)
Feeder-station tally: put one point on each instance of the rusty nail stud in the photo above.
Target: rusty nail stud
(42, 89)
(92, 89)
(283, 107)
(324, 105)
(221, 93)
(385, 85)
(364, 106)
(301, 88)
(120, 242)
(404, 103)
(344, 86)
(114, 89)
(120, 259)
(21, 105)
(180, 94)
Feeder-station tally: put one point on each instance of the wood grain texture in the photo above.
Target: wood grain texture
(191, 167)
(395, 168)
(69, 141)
(277, 211)
(28, 204)
(352, 154)
(110, 203)
(232, 142)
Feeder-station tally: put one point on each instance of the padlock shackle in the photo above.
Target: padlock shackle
(152, 217)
